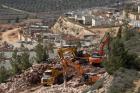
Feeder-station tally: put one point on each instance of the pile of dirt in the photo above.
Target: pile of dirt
(25, 80)
(123, 81)
(101, 86)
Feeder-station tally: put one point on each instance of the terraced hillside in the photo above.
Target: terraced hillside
(10, 16)
(56, 5)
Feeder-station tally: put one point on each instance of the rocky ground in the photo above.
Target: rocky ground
(29, 82)
(29, 78)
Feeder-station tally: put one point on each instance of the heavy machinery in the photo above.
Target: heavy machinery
(98, 55)
(73, 53)
(87, 78)
(53, 75)
(67, 52)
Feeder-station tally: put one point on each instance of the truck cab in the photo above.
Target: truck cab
(47, 77)
(51, 76)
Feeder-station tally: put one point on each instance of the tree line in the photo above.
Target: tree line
(22, 61)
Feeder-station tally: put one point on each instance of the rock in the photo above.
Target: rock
(101, 90)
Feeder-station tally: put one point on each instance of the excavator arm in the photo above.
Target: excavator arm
(62, 51)
(76, 65)
(104, 41)
(97, 56)
(67, 62)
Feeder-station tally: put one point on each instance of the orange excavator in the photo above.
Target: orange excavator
(98, 55)
(87, 78)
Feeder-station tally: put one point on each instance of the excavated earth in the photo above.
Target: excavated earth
(29, 81)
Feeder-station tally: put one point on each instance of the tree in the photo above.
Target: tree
(78, 44)
(40, 53)
(21, 33)
(3, 71)
(119, 34)
(126, 31)
(20, 62)
(24, 58)
(17, 20)
(119, 57)
(3, 74)
(50, 46)
(40, 39)
(16, 63)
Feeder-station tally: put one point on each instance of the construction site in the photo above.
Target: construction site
(72, 69)
(69, 57)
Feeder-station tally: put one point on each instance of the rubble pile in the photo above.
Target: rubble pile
(61, 89)
(106, 83)
(71, 87)
(25, 80)
(30, 78)
(102, 85)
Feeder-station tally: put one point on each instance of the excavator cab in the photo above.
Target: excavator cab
(98, 56)
(92, 78)
(89, 78)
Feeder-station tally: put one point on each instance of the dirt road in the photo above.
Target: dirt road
(11, 36)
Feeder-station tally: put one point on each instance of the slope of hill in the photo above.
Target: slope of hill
(56, 5)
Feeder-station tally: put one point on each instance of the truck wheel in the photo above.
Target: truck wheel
(60, 79)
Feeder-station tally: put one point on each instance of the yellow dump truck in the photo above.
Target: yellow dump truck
(52, 76)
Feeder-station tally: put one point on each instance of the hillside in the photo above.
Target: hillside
(68, 26)
(56, 5)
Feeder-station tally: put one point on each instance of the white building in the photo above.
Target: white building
(138, 9)
(78, 17)
(134, 23)
(70, 15)
(96, 22)
(87, 20)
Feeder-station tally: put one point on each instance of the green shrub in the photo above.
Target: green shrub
(3, 74)
(123, 81)
(41, 54)
(119, 57)
(20, 62)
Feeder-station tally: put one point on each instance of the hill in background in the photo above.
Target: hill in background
(56, 5)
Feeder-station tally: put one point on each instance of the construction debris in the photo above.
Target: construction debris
(25, 80)
(32, 76)
(70, 88)
(102, 85)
